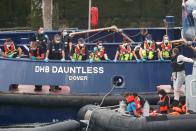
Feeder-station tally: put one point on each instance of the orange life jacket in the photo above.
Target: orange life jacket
(125, 50)
(184, 108)
(137, 103)
(177, 109)
(11, 49)
(163, 108)
(169, 46)
(100, 53)
(148, 46)
(138, 106)
(80, 51)
(130, 99)
(174, 113)
(36, 53)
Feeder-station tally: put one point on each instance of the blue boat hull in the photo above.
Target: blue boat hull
(84, 77)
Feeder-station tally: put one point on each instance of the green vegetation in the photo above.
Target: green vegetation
(74, 13)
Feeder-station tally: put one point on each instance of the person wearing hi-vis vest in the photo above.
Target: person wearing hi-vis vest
(79, 52)
(98, 53)
(165, 49)
(164, 102)
(10, 50)
(148, 49)
(178, 72)
(124, 52)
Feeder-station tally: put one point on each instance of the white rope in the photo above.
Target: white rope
(103, 37)
(99, 107)
(92, 36)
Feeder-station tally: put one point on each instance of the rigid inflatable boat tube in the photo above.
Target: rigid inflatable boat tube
(66, 100)
(108, 120)
(70, 125)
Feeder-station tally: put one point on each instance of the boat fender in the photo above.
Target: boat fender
(69, 125)
(82, 112)
(146, 109)
(122, 107)
(88, 115)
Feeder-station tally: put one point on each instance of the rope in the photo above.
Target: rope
(132, 36)
(92, 36)
(99, 107)
(103, 37)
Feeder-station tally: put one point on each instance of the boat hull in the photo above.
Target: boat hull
(110, 120)
(85, 77)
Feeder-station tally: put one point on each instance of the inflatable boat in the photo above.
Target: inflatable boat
(16, 108)
(69, 125)
(109, 119)
(106, 119)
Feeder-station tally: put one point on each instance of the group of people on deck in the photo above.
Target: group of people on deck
(148, 50)
(61, 48)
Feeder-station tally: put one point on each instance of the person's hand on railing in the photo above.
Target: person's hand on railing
(138, 60)
(33, 58)
(46, 59)
(63, 60)
(162, 59)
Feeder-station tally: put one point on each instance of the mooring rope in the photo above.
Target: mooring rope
(92, 36)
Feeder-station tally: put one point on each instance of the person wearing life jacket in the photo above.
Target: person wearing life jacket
(178, 109)
(164, 102)
(148, 49)
(79, 52)
(35, 52)
(42, 39)
(165, 49)
(137, 53)
(131, 104)
(178, 72)
(99, 53)
(124, 52)
(139, 101)
(10, 50)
